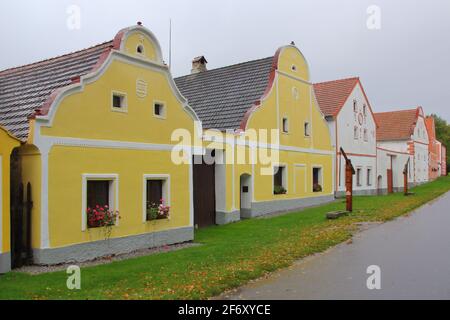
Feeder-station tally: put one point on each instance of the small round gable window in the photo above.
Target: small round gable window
(140, 49)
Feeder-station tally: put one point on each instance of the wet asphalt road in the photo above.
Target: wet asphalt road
(412, 252)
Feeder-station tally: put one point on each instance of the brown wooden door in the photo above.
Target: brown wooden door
(204, 195)
(390, 183)
(21, 252)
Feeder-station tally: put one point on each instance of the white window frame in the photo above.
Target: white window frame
(113, 194)
(284, 177)
(355, 133)
(283, 121)
(369, 176)
(366, 135)
(140, 45)
(360, 170)
(165, 191)
(164, 105)
(124, 96)
(307, 129)
(316, 166)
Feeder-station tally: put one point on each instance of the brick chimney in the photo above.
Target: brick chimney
(199, 65)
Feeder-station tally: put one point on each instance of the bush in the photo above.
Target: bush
(279, 190)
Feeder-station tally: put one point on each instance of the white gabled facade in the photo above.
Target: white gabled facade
(394, 148)
(353, 127)
(420, 142)
(356, 134)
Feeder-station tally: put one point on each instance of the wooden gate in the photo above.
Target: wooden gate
(390, 182)
(204, 195)
(21, 252)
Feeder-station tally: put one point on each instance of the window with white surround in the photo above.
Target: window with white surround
(355, 106)
(119, 102)
(140, 49)
(279, 180)
(358, 177)
(364, 110)
(369, 176)
(156, 192)
(366, 136)
(285, 125)
(99, 192)
(317, 179)
(159, 110)
(307, 129)
(355, 133)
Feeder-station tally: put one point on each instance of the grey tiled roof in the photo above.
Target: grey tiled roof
(25, 89)
(222, 96)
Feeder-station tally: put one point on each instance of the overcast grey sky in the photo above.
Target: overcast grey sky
(405, 63)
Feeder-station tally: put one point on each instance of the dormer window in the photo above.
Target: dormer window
(119, 102)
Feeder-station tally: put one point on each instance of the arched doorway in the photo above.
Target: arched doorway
(380, 184)
(21, 206)
(246, 196)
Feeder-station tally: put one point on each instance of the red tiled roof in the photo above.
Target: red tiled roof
(396, 125)
(26, 89)
(331, 95)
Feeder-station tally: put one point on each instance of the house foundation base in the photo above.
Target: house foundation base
(367, 192)
(227, 217)
(5, 262)
(97, 249)
(267, 207)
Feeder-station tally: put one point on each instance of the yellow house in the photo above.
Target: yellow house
(7, 144)
(96, 126)
(263, 127)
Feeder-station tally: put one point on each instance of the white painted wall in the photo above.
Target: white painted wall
(421, 159)
(398, 164)
(418, 162)
(346, 120)
(246, 197)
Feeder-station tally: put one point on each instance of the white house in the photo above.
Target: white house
(353, 128)
(401, 135)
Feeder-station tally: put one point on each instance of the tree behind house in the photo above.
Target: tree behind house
(443, 134)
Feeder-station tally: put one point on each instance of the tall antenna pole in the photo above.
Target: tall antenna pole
(170, 44)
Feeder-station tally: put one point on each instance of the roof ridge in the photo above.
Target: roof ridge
(401, 110)
(29, 65)
(228, 66)
(337, 80)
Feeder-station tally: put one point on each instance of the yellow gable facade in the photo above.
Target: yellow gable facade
(110, 130)
(283, 140)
